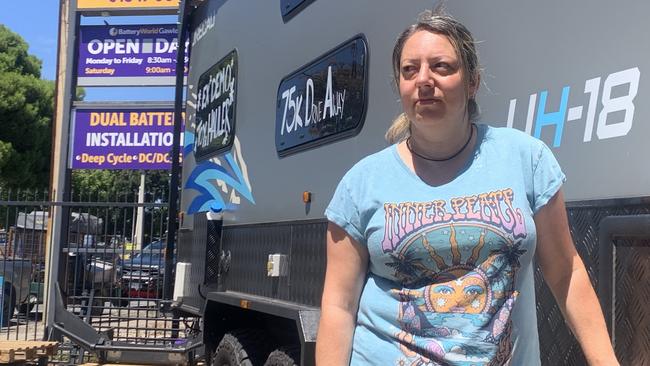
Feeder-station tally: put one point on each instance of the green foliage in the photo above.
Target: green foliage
(26, 111)
(122, 186)
(112, 182)
(14, 57)
(80, 94)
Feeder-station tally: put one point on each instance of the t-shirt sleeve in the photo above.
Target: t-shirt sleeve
(547, 177)
(343, 210)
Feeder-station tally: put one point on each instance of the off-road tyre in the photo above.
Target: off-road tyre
(242, 347)
(284, 356)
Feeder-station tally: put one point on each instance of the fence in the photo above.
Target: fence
(110, 272)
(22, 264)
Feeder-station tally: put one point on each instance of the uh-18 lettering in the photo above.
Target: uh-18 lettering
(314, 111)
(609, 114)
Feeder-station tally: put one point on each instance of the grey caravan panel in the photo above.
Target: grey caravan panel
(590, 61)
(254, 183)
(545, 52)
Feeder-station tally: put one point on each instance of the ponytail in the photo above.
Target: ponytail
(399, 130)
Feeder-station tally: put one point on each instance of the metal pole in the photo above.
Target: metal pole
(139, 225)
(183, 17)
(60, 176)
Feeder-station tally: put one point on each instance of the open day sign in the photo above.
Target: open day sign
(128, 55)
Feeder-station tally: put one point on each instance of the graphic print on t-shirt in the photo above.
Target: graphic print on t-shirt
(457, 268)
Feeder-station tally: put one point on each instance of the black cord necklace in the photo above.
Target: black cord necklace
(471, 133)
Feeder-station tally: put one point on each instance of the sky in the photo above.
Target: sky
(36, 21)
(40, 31)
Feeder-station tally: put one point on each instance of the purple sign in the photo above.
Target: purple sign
(128, 55)
(122, 139)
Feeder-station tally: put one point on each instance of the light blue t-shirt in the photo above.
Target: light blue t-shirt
(450, 277)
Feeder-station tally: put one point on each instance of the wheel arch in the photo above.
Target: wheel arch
(286, 324)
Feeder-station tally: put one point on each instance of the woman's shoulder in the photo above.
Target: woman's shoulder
(518, 145)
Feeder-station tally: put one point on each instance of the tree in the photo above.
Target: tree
(122, 186)
(115, 182)
(26, 111)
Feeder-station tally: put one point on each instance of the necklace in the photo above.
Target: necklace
(471, 133)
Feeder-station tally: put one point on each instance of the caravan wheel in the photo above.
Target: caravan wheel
(283, 357)
(243, 347)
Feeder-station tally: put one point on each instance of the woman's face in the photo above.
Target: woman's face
(431, 83)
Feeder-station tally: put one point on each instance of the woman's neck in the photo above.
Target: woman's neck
(440, 144)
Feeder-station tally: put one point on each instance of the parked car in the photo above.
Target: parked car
(143, 273)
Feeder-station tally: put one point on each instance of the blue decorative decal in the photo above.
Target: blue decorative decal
(202, 180)
(188, 145)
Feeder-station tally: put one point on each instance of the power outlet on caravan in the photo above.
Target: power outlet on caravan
(277, 265)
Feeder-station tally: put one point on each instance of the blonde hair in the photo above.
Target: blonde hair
(437, 21)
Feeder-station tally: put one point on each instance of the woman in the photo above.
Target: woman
(433, 266)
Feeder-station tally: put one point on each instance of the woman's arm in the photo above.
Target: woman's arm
(567, 278)
(347, 262)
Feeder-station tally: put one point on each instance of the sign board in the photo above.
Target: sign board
(323, 100)
(124, 55)
(215, 108)
(126, 138)
(127, 4)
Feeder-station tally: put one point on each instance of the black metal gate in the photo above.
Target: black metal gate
(111, 284)
(22, 264)
(109, 292)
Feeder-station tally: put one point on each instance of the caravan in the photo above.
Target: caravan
(284, 97)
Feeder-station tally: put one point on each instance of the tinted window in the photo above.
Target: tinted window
(215, 108)
(324, 100)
